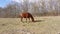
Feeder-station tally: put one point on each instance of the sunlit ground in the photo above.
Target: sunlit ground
(42, 25)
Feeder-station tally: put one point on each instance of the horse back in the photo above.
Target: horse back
(25, 15)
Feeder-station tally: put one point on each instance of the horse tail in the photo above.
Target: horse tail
(32, 17)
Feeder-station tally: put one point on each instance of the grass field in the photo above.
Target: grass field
(42, 25)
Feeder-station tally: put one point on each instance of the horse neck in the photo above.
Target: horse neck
(32, 18)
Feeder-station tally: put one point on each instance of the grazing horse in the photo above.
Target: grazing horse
(26, 15)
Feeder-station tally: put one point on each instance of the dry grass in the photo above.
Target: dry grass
(42, 25)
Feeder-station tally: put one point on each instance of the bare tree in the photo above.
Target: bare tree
(25, 5)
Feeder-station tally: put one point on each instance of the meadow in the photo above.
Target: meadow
(42, 25)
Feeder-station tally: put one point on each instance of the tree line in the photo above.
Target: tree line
(36, 8)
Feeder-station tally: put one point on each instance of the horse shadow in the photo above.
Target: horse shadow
(33, 21)
(39, 20)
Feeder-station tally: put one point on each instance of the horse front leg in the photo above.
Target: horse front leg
(21, 18)
(26, 19)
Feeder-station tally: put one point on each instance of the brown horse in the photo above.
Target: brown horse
(26, 15)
